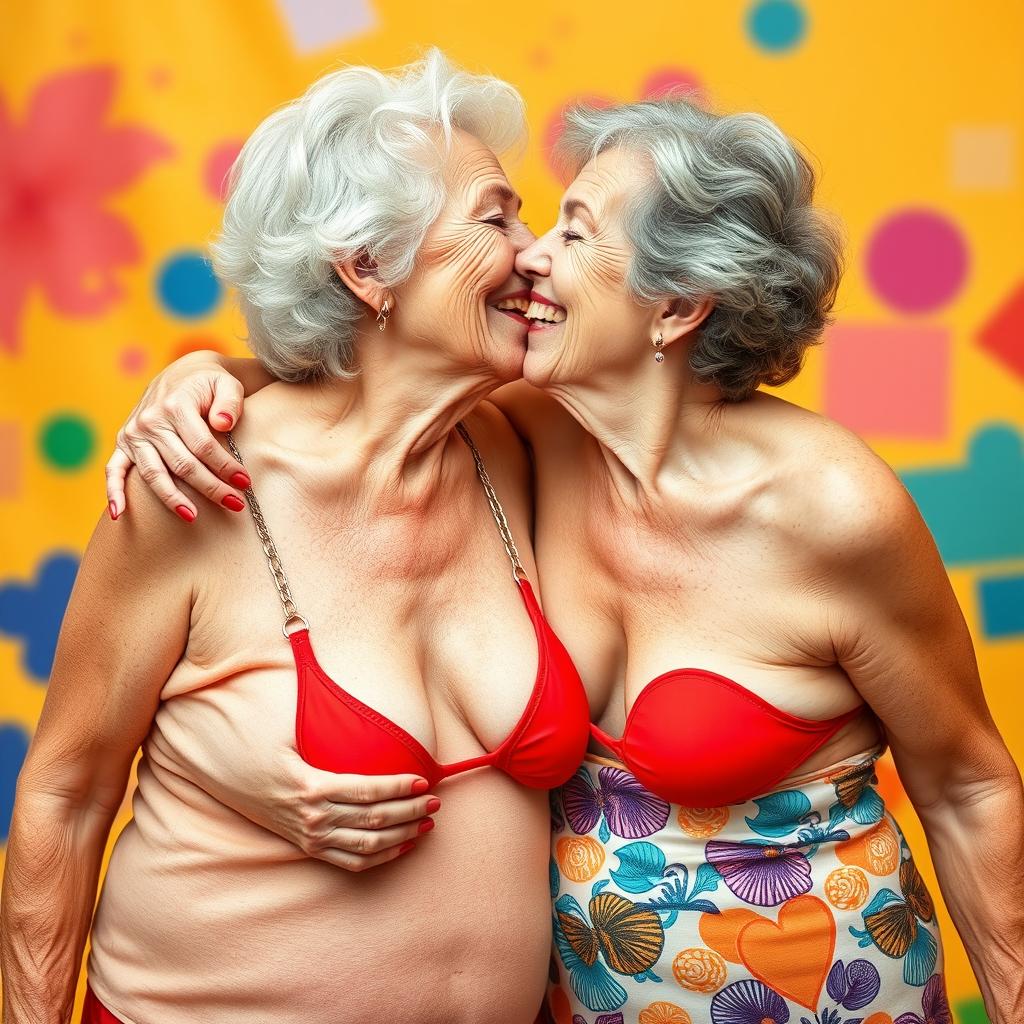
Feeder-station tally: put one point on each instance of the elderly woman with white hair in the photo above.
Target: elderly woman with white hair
(754, 587)
(371, 233)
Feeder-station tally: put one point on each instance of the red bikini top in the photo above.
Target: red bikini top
(698, 739)
(337, 732)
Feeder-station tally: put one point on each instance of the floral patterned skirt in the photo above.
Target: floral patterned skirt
(803, 905)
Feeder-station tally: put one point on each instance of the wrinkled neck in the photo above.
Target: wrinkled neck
(655, 420)
(389, 424)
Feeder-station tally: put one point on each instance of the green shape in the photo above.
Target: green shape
(67, 441)
(971, 1011)
(974, 509)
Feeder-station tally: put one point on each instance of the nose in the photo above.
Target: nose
(534, 261)
(524, 237)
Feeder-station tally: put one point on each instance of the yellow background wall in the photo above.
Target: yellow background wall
(117, 120)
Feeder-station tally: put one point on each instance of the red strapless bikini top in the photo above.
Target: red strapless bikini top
(337, 732)
(698, 739)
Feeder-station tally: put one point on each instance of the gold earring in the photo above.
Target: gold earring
(382, 316)
(659, 356)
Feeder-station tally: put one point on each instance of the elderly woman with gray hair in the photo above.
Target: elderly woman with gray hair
(752, 585)
(372, 235)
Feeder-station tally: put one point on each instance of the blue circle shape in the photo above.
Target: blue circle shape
(777, 25)
(187, 285)
(13, 748)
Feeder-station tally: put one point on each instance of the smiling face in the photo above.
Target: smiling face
(585, 324)
(464, 295)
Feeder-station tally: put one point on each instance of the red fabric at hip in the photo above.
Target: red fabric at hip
(94, 1012)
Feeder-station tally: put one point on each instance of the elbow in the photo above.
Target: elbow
(999, 792)
(73, 786)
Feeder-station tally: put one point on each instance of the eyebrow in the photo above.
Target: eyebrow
(572, 206)
(501, 192)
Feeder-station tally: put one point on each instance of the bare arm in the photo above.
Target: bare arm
(125, 628)
(169, 434)
(902, 639)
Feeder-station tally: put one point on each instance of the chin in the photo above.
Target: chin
(506, 354)
(509, 368)
(537, 368)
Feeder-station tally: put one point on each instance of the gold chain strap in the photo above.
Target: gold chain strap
(518, 572)
(270, 550)
(277, 569)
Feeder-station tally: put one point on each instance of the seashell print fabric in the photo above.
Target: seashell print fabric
(803, 906)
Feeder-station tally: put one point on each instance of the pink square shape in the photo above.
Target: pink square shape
(889, 381)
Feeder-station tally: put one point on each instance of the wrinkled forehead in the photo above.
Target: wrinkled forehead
(473, 174)
(606, 184)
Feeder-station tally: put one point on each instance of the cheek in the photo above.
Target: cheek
(476, 259)
(592, 287)
(601, 324)
(601, 265)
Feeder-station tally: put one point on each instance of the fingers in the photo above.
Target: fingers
(226, 409)
(179, 457)
(116, 470)
(152, 469)
(382, 816)
(209, 452)
(370, 789)
(357, 863)
(360, 827)
(369, 844)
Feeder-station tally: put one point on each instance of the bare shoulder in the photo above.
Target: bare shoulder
(844, 499)
(149, 527)
(152, 544)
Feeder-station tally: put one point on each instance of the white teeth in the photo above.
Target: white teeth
(547, 313)
(542, 311)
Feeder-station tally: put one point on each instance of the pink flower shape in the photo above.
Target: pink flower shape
(56, 169)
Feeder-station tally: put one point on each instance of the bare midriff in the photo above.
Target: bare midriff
(207, 916)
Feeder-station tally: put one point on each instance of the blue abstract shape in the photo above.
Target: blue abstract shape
(776, 25)
(1002, 605)
(34, 613)
(187, 285)
(13, 748)
(974, 510)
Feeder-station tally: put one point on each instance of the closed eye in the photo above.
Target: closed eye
(569, 236)
(498, 222)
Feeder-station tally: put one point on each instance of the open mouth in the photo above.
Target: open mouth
(529, 308)
(542, 313)
(515, 306)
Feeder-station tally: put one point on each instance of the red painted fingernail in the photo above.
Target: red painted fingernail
(186, 513)
(425, 825)
(232, 502)
(112, 508)
(241, 481)
(433, 804)
(420, 786)
(406, 847)
(225, 419)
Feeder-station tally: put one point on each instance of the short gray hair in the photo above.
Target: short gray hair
(351, 168)
(728, 216)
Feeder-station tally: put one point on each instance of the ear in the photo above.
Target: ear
(677, 319)
(359, 276)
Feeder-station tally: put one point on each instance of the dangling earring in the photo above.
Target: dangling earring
(382, 316)
(659, 356)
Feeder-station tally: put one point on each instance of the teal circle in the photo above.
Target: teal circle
(67, 441)
(777, 25)
(187, 285)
